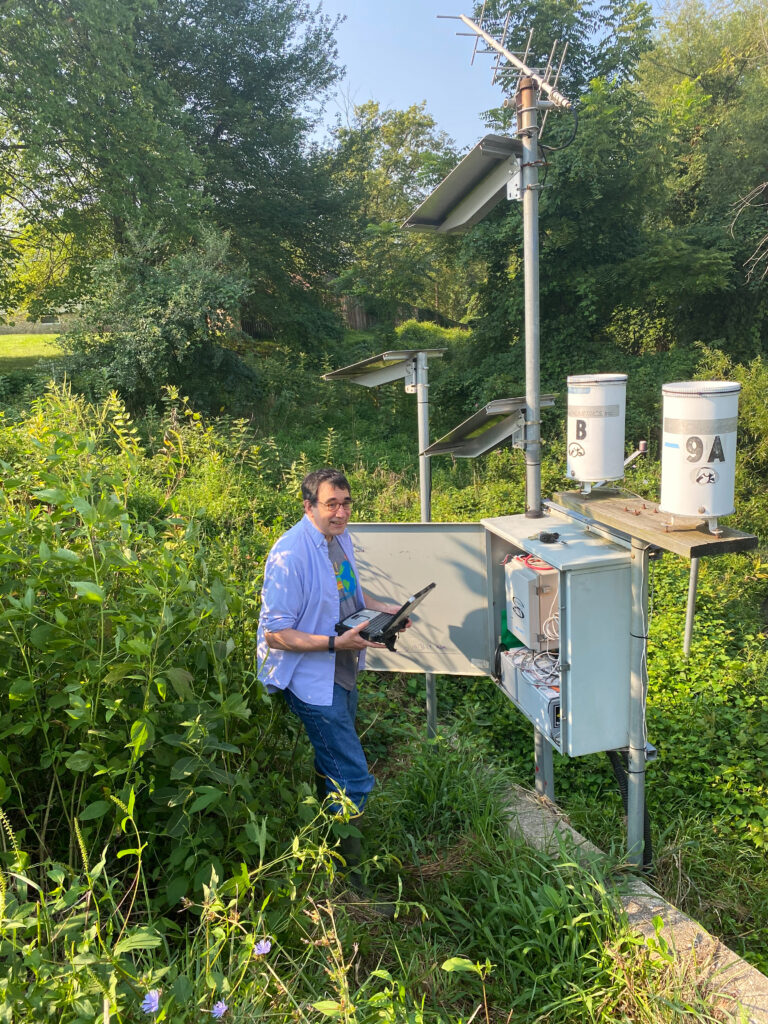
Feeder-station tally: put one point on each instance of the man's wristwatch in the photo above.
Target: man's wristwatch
(331, 644)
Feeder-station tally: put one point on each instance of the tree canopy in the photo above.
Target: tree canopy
(389, 161)
(175, 113)
(637, 213)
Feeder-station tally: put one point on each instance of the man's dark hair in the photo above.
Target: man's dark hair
(310, 485)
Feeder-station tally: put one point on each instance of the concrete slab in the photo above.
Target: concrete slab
(542, 825)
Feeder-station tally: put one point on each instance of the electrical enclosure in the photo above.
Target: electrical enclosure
(532, 604)
(457, 630)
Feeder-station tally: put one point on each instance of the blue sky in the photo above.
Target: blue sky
(398, 53)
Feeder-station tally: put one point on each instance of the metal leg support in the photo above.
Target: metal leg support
(638, 630)
(693, 582)
(431, 706)
(425, 495)
(545, 772)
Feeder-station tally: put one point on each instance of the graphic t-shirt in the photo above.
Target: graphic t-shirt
(346, 661)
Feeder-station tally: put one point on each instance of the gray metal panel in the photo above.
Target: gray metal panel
(453, 631)
(578, 545)
(594, 635)
(382, 368)
(486, 429)
(471, 189)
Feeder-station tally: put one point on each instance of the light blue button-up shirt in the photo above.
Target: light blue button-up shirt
(300, 592)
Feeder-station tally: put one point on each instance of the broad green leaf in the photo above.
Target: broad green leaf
(133, 851)
(95, 810)
(41, 634)
(208, 795)
(182, 989)
(86, 510)
(181, 681)
(22, 688)
(458, 963)
(80, 761)
(185, 766)
(90, 591)
(142, 735)
(121, 671)
(176, 888)
(51, 495)
(67, 555)
(329, 1007)
(143, 938)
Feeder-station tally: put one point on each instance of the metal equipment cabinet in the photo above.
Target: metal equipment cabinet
(594, 609)
(458, 627)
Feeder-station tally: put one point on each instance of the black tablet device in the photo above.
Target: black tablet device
(383, 627)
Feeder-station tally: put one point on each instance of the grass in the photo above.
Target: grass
(520, 935)
(490, 929)
(22, 351)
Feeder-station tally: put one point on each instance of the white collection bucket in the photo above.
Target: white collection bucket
(596, 413)
(698, 453)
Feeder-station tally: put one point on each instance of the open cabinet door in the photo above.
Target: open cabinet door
(452, 632)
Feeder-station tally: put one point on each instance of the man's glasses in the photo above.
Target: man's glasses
(333, 505)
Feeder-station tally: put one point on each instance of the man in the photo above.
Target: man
(310, 584)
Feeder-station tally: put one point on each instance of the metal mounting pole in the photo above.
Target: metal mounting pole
(638, 651)
(422, 412)
(425, 494)
(693, 582)
(527, 123)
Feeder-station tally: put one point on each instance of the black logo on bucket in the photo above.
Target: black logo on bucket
(705, 475)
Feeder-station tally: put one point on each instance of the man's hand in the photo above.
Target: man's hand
(352, 641)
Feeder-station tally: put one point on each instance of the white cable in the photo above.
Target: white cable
(541, 668)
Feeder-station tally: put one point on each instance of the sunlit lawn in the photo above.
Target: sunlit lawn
(22, 351)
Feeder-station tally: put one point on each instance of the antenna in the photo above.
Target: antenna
(543, 81)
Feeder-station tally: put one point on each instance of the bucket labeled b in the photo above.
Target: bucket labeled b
(698, 453)
(596, 413)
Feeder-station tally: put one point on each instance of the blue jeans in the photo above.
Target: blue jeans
(338, 752)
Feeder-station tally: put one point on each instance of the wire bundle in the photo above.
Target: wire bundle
(543, 669)
(534, 562)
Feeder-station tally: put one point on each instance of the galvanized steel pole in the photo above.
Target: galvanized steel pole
(425, 494)
(690, 612)
(527, 100)
(422, 412)
(528, 128)
(638, 653)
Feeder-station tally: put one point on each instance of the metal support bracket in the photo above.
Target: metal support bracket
(515, 180)
(410, 378)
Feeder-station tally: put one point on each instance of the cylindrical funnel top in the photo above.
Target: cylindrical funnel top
(587, 379)
(701, 388)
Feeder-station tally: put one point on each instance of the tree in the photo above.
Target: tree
(172, 112)
(161, 313)
(389, 161)
(707, 78)
(597, 188)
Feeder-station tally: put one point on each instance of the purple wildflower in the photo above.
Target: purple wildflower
(262, 947)
(151, 1003)
(219, 1009)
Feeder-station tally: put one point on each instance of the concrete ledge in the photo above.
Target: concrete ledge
(542, 824)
